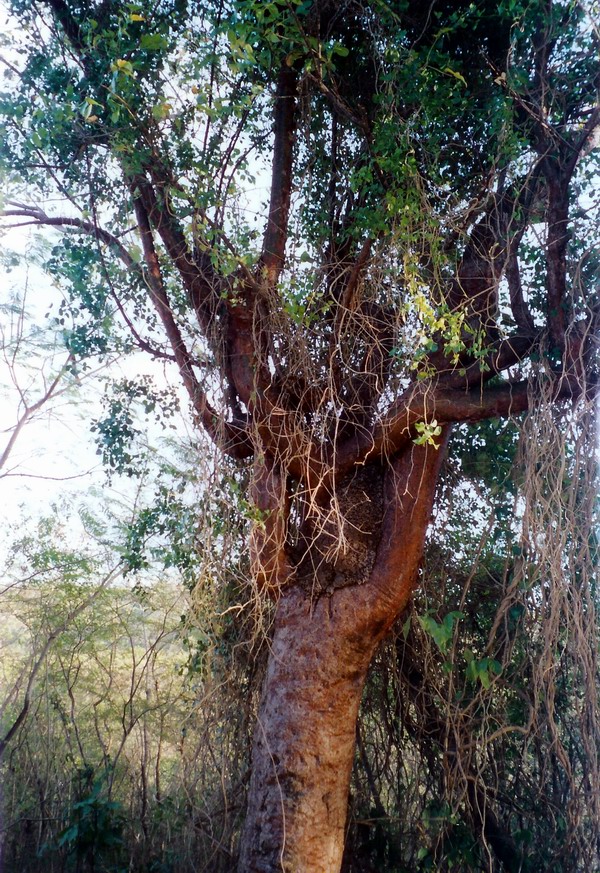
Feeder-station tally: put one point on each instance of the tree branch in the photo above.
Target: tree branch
(39, 217)
(30, 411)
(520, 310)
(273, 254)
(68, 23)
(232, 437)
(556, 248)
(269, 563)
(409, 489)
(475, 289)
(202, 289)
(425, 402)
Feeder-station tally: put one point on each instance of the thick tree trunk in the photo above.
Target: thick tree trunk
(321, 650)
(304, 740)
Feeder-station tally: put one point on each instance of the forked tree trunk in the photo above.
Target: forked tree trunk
(321, 650)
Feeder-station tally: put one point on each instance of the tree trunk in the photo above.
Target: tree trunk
(304, 739)
(321, 650)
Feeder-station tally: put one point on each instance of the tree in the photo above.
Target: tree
(418, 268)
(91, 711)
(26, 358)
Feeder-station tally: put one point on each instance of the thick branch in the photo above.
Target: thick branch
(426, 402)
(475, 288)
(556, 250)
(269, 564)
(231, 437)
(247, 326)
(558, 170)
(202, 288)
(72, 30)
(519, 308)
(273, 253)
(502, 355)
(244, 365)
(558, 166)
(409, 489)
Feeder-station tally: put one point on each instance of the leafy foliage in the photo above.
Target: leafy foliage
(428, 260)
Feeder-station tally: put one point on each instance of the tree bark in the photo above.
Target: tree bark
(304, 739)
(321, 650)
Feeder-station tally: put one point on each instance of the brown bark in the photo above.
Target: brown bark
(321, 650)
(304, 740)
(275, 239)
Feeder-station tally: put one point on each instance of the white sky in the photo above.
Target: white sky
(54, 457)
(55, 454)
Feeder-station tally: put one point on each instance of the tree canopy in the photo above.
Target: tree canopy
(364, 237)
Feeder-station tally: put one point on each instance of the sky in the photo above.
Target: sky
(54, 460)
(55, 457)
(52, 445)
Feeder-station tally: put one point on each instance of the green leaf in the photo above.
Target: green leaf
(153, 42)
(161, 111)
(481, 671)
(341, 50)
(441, 633)
(456, 75)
